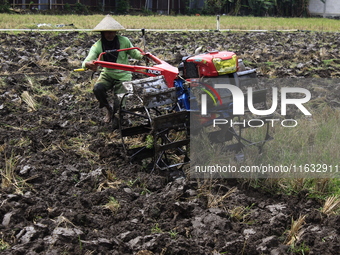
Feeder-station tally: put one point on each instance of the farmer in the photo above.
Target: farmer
(110, 78)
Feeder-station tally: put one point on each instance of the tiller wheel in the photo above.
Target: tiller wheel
(151, 127)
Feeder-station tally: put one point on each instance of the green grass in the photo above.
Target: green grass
(17, 21)
(3, 245)
(313, 140)
(113, 205)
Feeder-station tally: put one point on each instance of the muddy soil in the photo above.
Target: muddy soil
(65, 165)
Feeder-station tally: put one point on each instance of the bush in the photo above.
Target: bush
(67, 7)
(4, 6)
(81, 9)
(123, 6)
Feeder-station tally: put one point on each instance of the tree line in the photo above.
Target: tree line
(259, 8)
(282, 8)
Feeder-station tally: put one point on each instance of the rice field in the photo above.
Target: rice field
(25, 21)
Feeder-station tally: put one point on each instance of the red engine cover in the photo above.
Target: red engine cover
(207, 63)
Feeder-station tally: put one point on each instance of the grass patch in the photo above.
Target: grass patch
(16, 21)
(3, 245)
(240, 213)
(215, 200)
(7, 174)
(331, 205)
(79, 146)
(39, 89)
(28, 99)
(156, 229)
(9, 179)
(330, 62)
(3, 83)
(302, 249)
(312, 144)
(113, 205)
(294, 232)
(313, 141)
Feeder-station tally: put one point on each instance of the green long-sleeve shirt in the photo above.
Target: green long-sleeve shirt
(124, 43)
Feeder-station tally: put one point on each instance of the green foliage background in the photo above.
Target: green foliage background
(258, 8)
(285, 8)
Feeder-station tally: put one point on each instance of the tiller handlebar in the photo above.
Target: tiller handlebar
(161, 67)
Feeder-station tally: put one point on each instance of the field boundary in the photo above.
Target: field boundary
(150, 30)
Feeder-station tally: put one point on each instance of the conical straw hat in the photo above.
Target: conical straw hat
(108, 24)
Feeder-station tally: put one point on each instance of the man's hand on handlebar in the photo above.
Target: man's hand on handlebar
(90, 65)
(146, 58)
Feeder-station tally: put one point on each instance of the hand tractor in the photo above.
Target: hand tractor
(158, 113)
